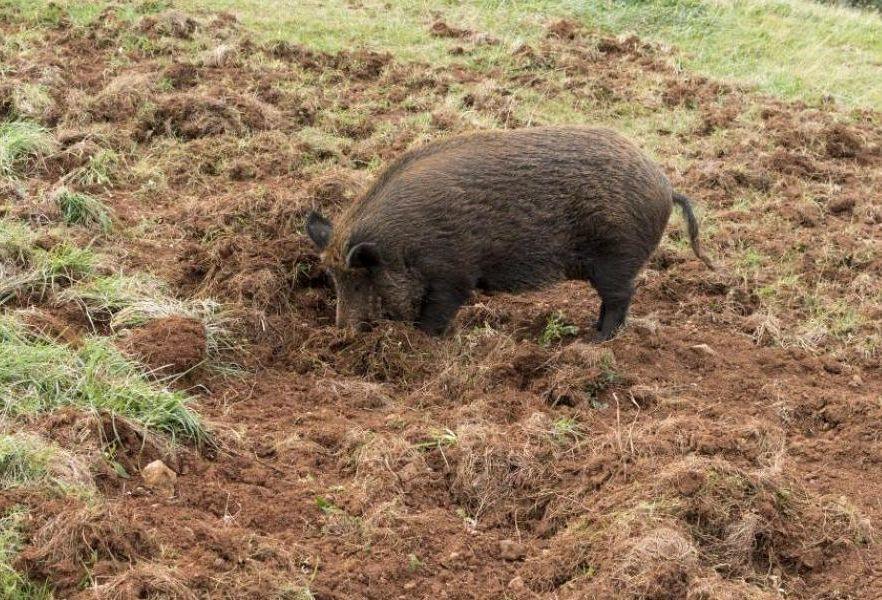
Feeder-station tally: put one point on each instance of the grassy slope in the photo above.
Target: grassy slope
(794, 48)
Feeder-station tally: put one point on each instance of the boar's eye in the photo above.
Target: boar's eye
(363, 256)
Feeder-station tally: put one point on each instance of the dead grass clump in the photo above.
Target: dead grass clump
(501, 475)
(696, 526)
(382, 464)
(191, 116)
(143, 580)
(249, 250)
(715, 587)
(172, 23)
(442, 30)
(392, 352)
(223, 55)
(354, 392)
(749, 522)
(474, 362)
(659, 564)
(120, 100)
(524, 364)
(843, 142)
(74, 541)
(334, 188)
(578, 373)
(565, 29)
(380, 356)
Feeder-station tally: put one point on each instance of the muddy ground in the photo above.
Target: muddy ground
(714, 449)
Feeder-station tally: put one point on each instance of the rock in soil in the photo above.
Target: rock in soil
(159, 477)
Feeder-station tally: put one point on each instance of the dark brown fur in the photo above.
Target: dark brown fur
(499, 211)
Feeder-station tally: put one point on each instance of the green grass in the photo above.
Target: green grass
(556, 329)
(27, 460)
(794, 48)
(20, 143)
(16, 242)
(77, 12)
(38, 374)
(78, 208)
(23, 460)
(13, 585)
(100, 170)
(48, 270)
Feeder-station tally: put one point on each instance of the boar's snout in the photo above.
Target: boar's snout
(345, 319)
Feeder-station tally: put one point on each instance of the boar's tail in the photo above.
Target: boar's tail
(683, 202)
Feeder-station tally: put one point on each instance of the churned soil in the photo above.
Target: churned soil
(169, 346)
(712, 450)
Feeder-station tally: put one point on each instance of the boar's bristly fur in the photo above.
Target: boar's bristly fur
(498, 211)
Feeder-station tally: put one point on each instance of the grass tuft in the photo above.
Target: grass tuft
(16, 242)
(24, 460)
(31, 101)
(37, 375)
(22, 142)
(100, 170)
(78, 208)
(49, 269)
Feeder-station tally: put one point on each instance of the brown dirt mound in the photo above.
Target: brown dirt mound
(441, 29)
(99, 537)
(168, 346)
(843, 142)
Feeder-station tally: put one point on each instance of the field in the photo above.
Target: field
(160, 302)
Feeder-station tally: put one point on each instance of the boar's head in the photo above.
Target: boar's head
(371, 283)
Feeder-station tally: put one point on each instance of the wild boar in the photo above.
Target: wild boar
(498, 211)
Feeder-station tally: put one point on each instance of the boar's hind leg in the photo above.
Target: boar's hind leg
(440, 304)
(614, 282)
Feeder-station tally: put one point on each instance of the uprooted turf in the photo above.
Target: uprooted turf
(721, 447)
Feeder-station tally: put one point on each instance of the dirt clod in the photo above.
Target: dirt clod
(169, 346)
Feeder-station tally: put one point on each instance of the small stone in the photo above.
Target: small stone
(856, 381)
(410, 585)
(159, 477)
(516, 584)
(511, 550)
(704, 349)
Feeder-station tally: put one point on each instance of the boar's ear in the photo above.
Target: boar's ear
(319, 230)
(363, 256)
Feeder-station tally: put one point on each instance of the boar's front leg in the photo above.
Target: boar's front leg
(440, 304)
